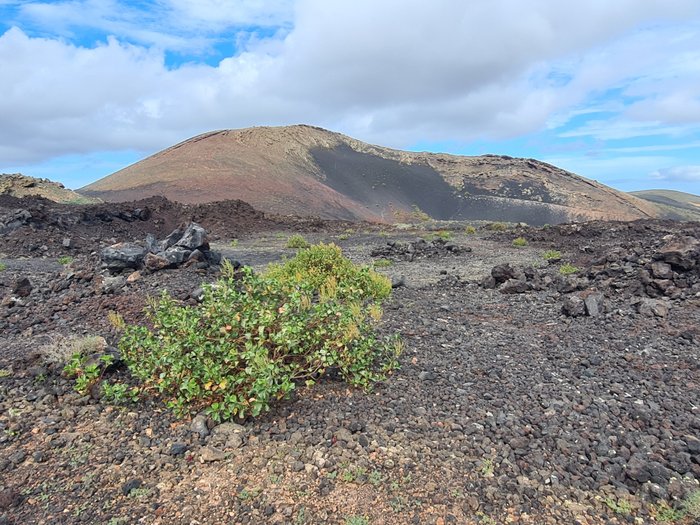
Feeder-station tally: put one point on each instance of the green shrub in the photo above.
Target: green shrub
(568, 269)
(323, 263)
(498, 227)
(445, 235)
(255, 336)
(297, 241)
(119, 393)
(551, 255)
(520, 242)
(3, 267)
(233, 243)
(86, 371)
(65, 260)
(470, 230)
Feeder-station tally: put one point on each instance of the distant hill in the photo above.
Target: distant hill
(304, 170)
(673, 204)
(19, 185)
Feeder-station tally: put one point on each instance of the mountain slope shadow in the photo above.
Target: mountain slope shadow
(386, 185)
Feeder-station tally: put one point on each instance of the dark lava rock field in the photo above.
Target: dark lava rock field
(524, 395)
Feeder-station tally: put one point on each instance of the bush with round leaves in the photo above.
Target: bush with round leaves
(255, 337)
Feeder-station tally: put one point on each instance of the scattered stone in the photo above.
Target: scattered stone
(130, 485)
(594, 303)
(123, 255)
(209, 454)
(574, 306)
(177, 449)
(22, 287)
(199, 425)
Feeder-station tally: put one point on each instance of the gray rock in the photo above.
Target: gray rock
(574, 306)
(654, 307)
(130, 485)
(505, 272)
(22, 287)
(228, 435)
(210, 454)
(397, 281)
(681, 252)
(123, 255)
(175, 255)
(152, 243)
(67, 242)
(513, 286)
(170, 240)
(661, 270)
(199, 425)
(177, 449)
(193, 237)
(594, 303)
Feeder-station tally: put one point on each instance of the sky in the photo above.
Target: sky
(607, 89)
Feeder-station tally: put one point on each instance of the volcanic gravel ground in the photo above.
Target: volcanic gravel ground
(504, 410)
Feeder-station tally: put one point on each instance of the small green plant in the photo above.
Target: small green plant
(4, 372)
(65, 260)
(445, 235)
(666, 514)
(249, 494)
(255, 336)
(470, 230)
(485, 518)
(119, 393)
(497, 227)
(520, 242)
(620, 506)
(344, 236)
(301, 518)
(3, 267)
(140, 493)
(691, 504)
(487, 467)
(568, 269)
(383, 263)
(552, 255)
(86, 371)
(233, 243)
(297, 241)
(356, 520)
(375, 478)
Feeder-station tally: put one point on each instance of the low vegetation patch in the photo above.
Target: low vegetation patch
(255, 337)
(520, 242)
(297, 241)
(383, 263)
(552, 255)
(470, 230)
(497, 226)
(65, 260)
(568, 269)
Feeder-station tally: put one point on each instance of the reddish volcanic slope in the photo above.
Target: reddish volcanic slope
(303, 170)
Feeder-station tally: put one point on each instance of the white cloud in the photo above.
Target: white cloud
(678, 174)
(392, 72)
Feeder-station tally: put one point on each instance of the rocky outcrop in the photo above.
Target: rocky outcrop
(187, 245)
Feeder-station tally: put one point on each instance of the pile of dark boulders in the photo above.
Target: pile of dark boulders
(419, 249)
(648, 278)
(14, 219)
(185, 246)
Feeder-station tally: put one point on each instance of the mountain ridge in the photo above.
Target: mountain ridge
(306, 170)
